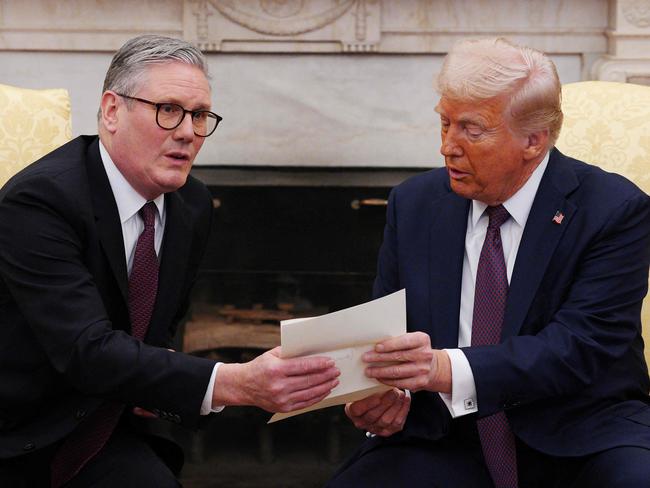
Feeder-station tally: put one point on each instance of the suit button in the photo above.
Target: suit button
(29, 446)
(79, 414)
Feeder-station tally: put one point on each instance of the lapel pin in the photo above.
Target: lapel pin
(558, 217)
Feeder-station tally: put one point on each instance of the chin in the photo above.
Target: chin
(460, 189)
(173, 183)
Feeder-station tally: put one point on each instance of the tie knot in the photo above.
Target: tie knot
(498, 215)
(148, 214)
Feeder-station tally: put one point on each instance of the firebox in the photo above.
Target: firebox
(285, 242)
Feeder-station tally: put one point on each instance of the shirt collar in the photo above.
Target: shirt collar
(519, 204)
(128, 200)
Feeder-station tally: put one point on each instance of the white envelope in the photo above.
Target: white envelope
(345, 336)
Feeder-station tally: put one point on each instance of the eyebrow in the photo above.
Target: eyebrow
(465, 120)
(478, 122)
(177, 102)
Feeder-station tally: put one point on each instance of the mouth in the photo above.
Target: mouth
(456, 174)
(179, 156)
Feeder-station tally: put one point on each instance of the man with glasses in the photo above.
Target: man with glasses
(100, 242)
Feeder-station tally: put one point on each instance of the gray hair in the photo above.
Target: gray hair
(131, 61)
(477, 70)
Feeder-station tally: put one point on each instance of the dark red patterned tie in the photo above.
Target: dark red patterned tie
(491, 292)
(143, 281)
(91, 436)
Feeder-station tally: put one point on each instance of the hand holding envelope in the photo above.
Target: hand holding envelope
(406, 362)
(345, 336)
(409, 362)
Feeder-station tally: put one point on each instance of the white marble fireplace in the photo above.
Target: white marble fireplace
(317, 82)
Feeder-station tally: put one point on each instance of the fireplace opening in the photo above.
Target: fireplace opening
(285, 243)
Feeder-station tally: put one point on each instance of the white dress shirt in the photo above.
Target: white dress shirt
(129, 202)
(462, 399)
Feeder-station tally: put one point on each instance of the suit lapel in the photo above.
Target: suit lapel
(107, 218)
(446, 251)
(174, 254)
(540, 238)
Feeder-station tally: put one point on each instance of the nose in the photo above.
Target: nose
(450, 146)
(185, 130)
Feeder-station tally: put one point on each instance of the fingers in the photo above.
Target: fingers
(405, 362)
(368, 410)
(281, 385)
(306, 365)
(302, 365)
(396, 413)
(397, 371)
(306, 398)
(360, 407)
(394, 419)
(296, 383)
(408, 347)
(414, 376)
(412, 340)
(382, 414)
(388, 400)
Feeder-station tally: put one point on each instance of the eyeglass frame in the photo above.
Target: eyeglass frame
(180, 121)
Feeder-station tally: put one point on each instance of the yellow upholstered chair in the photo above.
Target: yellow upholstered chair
(608, 124)
(32, 123)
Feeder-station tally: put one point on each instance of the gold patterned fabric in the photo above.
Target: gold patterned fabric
(608, 124)
(32, 123)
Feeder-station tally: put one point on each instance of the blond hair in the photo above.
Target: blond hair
(476, 70)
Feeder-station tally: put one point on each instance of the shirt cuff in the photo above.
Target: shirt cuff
(206, 406)
(462, 399)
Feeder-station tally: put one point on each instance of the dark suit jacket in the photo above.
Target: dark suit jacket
(569, 371)
(64, 322)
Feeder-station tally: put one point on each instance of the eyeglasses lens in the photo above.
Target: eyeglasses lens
(171, 116)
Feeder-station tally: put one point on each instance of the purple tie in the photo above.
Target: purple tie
(91, 435)
(497, 440)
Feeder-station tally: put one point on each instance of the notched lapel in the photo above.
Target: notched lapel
(107, 218)
(446, 251)
(539, 241)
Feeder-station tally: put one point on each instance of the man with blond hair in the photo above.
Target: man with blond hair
(524, 271)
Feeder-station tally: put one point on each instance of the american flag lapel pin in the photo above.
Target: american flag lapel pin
(558, 217)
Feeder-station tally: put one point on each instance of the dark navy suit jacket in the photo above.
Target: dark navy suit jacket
(569, 371)
(64, 321)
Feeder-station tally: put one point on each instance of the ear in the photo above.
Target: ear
(109, 111)
(536, 145)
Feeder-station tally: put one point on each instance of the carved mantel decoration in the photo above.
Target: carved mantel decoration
(637, 13)
(283, 25)
(628, 57)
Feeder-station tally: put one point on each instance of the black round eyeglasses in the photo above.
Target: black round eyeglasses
(171, 115)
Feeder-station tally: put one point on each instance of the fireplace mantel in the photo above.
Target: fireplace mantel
(316, 83)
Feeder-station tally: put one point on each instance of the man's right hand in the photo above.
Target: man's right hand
(275, 384)
(382, 414)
